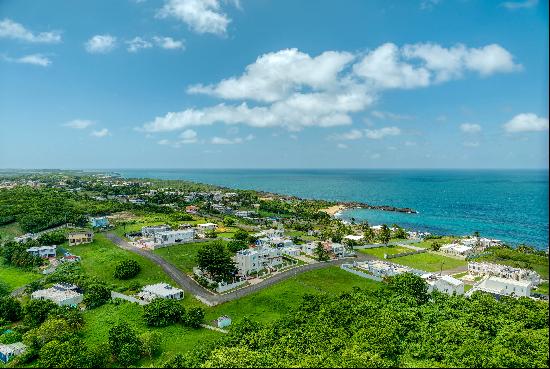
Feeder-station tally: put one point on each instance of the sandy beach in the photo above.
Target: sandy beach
(333, 209)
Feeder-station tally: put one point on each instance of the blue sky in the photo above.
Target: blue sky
(273, 84)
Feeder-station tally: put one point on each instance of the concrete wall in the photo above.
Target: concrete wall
(348, 268)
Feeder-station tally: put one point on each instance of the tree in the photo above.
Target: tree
(400, 233)
(384, 234)
(52, 238)
(10, 309)
(194, 317)
(240, 235)
(409, 284)
(36, 311)
(52, 329)
(436, 246)
(150, 343)
(127, 269)
(163, 312)
(216, 261)
(96, 295)
(228, 221)
(4, 289)
(69, 354)
(320, 253)
(236, 245)
(124, 344)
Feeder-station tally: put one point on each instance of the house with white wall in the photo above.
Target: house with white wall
(167, 238)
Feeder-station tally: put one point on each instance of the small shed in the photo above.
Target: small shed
(223, 321)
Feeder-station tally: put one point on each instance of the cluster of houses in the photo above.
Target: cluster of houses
(469, 246)
(436, 282)
(158, 236)
(502, 280)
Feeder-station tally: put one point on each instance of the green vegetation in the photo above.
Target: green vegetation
(273, 302)
(100, 258)
(17, 277)
(542, 288)
(126, 269)
(430, 262)
(10, 231)
(183, 256)
(398, 325)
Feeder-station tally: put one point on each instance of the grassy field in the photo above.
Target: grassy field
(542, 288)
(380, 251)
(175, 338)
(9, 231)
(182, 256)
(271, 303)
(429, 262)
(100, 258)
(428, 243)
(15, 277)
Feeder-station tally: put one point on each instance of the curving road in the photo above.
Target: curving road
(189, 285)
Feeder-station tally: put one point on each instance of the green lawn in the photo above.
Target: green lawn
(428, 243)
(9, 231)
(380, 251)
(182, 256)
(271, 303)
(100, 258)
(542, 288)
(429, 262)
(175, 338)
(15, 277)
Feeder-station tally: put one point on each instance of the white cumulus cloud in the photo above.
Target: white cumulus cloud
(138, 43)
(526, 122)
(100, 44)
(169, 43)
(104, 132)
(513, 5)
(34, 59)
(377, 134)
(16, 31)
(79, 123)
(202, 16)
(470, 128)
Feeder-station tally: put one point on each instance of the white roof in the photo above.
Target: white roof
(353, 237)
(451, 280)
(161, 289)
(207, 224)
(520, 283)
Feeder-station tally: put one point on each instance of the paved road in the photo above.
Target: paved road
(209, 298)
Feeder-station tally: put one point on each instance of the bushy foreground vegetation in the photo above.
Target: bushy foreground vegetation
(397, 326)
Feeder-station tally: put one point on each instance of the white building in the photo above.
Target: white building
(380, 268)
(445, 284)
(43, 251)
(150, 231)
(354, 238)
(166, 238)
(253, 260)
(244, 213)
(62, 294)
(291, 251)
(503, 287)
(7, 352)
(160, 290)
(207, 227)
(503, 271)
(457, 249)
(309, 248)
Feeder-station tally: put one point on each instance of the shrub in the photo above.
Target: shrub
(163, 312)
(127, 269)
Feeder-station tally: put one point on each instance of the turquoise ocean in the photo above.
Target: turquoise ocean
(511, 205)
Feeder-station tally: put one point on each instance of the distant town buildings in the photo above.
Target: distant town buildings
(99, 222)
(503, 271)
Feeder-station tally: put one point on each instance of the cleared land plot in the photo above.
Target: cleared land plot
(430, 262)
(175, 338)
(271, 303)
(15, 277)
(100, 258)
(10, 231)
(183, 256)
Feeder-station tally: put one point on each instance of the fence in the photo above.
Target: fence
(348, 268)
(115, 295)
